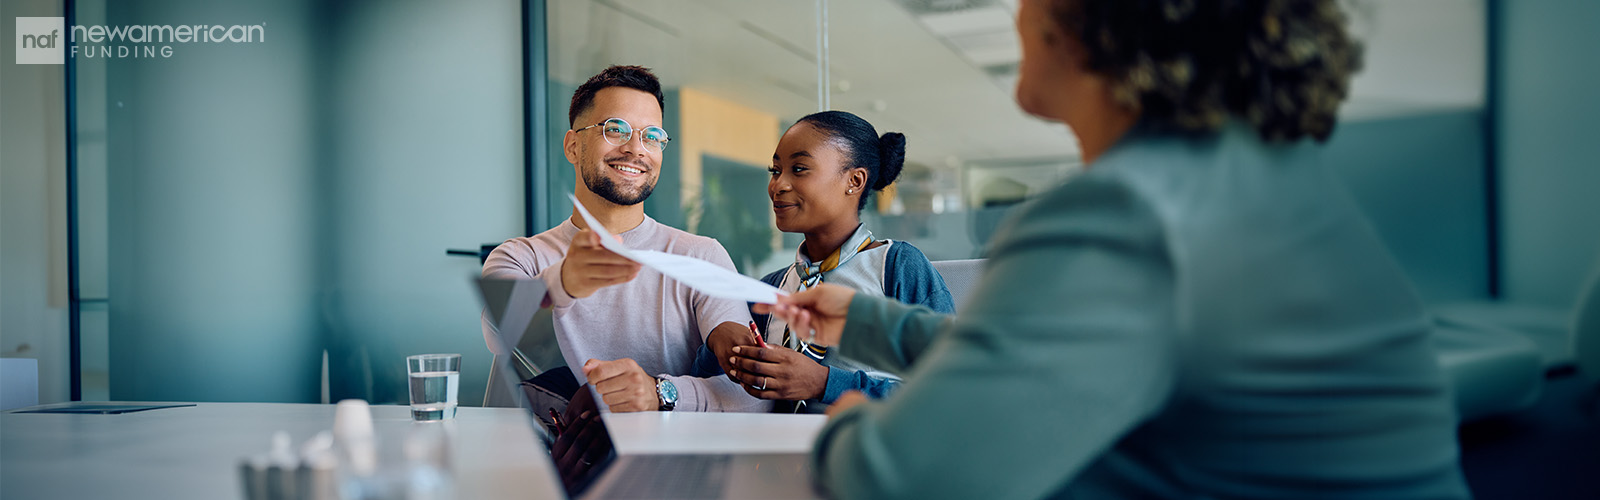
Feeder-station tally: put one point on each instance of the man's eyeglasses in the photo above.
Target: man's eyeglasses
(618, 132)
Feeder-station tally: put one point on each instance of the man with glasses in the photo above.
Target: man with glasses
(630, 332)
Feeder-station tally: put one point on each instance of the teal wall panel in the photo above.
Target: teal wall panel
(1420, 180)
(1549, 147)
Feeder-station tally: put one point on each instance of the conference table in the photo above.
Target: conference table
(195, 451)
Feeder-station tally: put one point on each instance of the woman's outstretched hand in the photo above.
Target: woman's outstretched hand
(818, 311)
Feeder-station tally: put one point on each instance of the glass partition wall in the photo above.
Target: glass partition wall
(267, 220)
(737, 73)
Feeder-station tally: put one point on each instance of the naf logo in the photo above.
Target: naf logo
(41, 40)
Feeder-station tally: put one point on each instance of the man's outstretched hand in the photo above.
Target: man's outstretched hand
(589, 266)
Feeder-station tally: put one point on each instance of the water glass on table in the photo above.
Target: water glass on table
(435, 380)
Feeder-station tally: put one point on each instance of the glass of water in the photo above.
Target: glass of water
(435, 379)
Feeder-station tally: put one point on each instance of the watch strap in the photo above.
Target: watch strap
(661, 397)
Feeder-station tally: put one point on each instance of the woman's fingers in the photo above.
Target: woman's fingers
(767, 373)
(767, 354)
(801, 324)
(755, 391)
(747, 379)
(761, 386)
(800, 298)
(761, 372)
(752, 367)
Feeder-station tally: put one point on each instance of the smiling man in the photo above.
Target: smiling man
(629, 331)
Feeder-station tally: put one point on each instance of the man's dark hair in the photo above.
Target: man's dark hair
(633, 77)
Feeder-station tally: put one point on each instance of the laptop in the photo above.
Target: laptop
(600, 473)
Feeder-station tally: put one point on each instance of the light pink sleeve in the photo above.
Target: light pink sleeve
(715, 394)
(712, 311)
(516, 259)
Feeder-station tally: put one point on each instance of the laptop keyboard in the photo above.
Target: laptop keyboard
(671, 476)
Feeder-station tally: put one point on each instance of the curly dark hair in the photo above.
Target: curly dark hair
(633, 77)
(1281, 65)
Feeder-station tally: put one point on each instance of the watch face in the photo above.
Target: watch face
(669, 392)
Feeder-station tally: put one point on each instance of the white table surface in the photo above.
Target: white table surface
(674, 432)
(194, 452)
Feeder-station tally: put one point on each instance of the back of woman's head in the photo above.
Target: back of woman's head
(862, 147)
(1283, 66)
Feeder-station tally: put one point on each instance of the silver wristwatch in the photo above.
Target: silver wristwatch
(667, 393)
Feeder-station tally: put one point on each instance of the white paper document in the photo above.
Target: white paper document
(706, 277)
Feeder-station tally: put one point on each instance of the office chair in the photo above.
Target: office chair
(960, 276)
(535, 353)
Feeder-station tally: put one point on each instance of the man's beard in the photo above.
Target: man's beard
(600, 184)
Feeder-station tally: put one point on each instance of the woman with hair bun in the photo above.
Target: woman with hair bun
(824, 168)
(1202, 313)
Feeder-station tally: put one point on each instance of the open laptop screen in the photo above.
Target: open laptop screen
(576, 439)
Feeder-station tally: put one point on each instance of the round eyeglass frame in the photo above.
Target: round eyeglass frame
(626, 134)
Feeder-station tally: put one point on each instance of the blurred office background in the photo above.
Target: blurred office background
(268, 221)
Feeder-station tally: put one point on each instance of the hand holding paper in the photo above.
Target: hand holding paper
(817, 313)
(706, 277)
(588, 265)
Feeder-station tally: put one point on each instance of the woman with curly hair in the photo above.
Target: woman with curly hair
(1203, 313)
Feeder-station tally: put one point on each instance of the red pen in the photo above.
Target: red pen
(759, 339)
(555, 418)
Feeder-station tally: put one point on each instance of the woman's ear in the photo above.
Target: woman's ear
(856, 182)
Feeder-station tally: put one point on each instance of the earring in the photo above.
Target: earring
(852, 191)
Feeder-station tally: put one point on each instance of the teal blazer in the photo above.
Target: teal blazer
(1191, 317)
